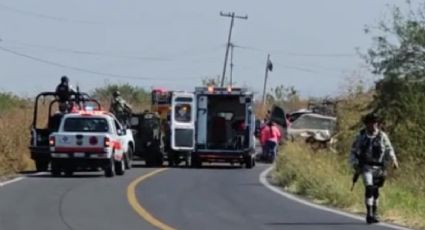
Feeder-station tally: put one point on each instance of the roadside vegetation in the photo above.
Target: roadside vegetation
(15, 118)
(398, 97)
(325, 176)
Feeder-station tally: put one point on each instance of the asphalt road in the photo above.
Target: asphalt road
(208, 198)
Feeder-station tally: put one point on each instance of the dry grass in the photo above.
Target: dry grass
(14, 141)
(326, 178)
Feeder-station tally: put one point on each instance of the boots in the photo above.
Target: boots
(369, 214)
(372, 214)
(375, 214)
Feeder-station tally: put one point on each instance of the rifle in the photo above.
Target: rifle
(355, 178)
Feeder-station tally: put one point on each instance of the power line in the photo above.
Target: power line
(296, 54)
(44, 16)
(86, 70)
(111, 54)
(300, 69)
(324, 55)
(90, 53)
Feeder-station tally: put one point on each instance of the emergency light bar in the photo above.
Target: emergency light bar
(93, 112)
(89, 108)
(211, 90)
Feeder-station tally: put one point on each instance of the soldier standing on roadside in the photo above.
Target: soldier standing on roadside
(370, 152)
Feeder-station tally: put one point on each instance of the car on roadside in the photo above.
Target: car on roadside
(296, 114)
(319, 126)
(89, 140)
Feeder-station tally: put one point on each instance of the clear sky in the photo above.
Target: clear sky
(175, 44)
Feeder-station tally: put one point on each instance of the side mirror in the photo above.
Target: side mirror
(121, 132)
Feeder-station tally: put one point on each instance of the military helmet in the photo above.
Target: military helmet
(116, 93)
(371, 118)
(64, 79)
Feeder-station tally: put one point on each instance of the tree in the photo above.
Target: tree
(286, 97)
(398, 54)
(399, 44)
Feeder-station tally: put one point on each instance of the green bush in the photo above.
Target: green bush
(9, 101)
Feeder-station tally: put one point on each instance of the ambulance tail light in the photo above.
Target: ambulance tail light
(52, 141)
(210, 89)
(229, 89)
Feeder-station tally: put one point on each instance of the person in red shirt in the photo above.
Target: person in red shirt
(269, 138)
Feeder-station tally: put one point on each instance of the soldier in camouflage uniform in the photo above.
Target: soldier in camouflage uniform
(120, 109)
(370, 154)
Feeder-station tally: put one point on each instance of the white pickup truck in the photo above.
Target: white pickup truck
(89, 141)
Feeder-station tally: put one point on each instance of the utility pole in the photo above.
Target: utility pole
(232, 16)
(265, 78)
(231, 64)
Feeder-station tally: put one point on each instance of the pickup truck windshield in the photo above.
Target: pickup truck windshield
(85, 124)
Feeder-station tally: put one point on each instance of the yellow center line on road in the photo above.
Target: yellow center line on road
(135, 204)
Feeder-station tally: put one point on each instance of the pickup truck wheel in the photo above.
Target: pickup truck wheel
(109, 169)
(129, 159)
(41, 165)
(119, 167)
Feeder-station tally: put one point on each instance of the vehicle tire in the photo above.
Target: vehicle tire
(41, 165)
(170, 162)
(249, 162)
(187, 160)
(195, 162)
(129, 158)
(69, 172)
(148, 160)
(170, 158)
(55, 169)
(109, 169)
(159, 160)
(119, 167)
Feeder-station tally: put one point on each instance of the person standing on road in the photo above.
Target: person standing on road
(370, 153)
(269, 138)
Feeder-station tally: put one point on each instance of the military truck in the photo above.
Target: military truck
(148, 137)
